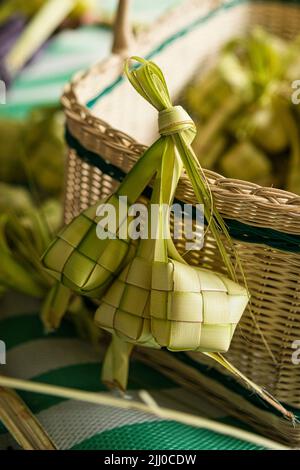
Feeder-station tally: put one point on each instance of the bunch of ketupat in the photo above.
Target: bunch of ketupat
(33, 150)
(25, 231)
(248, 125)
(150, 296)
(31, 183)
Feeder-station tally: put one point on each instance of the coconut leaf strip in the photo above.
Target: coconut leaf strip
(106, 400)
(20, 422)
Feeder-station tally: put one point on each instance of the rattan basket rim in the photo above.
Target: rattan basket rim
(101, 135)
(283, 200)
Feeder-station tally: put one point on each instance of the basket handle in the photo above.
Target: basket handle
(122, 29)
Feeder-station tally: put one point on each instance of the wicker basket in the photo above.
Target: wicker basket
(260, 219)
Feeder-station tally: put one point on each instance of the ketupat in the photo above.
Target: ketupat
(45, 148)
(204, 95)
(236, 76)
(78, 258)
(177, 130)
(262, 123)
(209, 157)
(264, 56)
(87, 265)
(34, 149)
(14, 273)
(46, 163)
(263, 66)
(25, 233)
(52, 211)
(40, 222)
(26, 230)
(14, 198)
(268, 130)
(158, 301)
(252, 164)
(211, 129)
(82, 262)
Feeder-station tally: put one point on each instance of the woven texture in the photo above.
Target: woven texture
(78, 243)
(160, 436)
(119, 136)
(178, 310)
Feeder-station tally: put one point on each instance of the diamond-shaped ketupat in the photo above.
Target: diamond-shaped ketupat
(197, 320)
(82, 261)
(191, 315)
(129, 314)
(158, 300)
(80, 257)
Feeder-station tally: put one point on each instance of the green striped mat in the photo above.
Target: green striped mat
(64, 359)
(42, 82)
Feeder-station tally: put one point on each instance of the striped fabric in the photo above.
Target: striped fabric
(42, 82)
(142, 11)
(63, 359)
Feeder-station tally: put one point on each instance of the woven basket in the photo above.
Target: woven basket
(109, 125)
